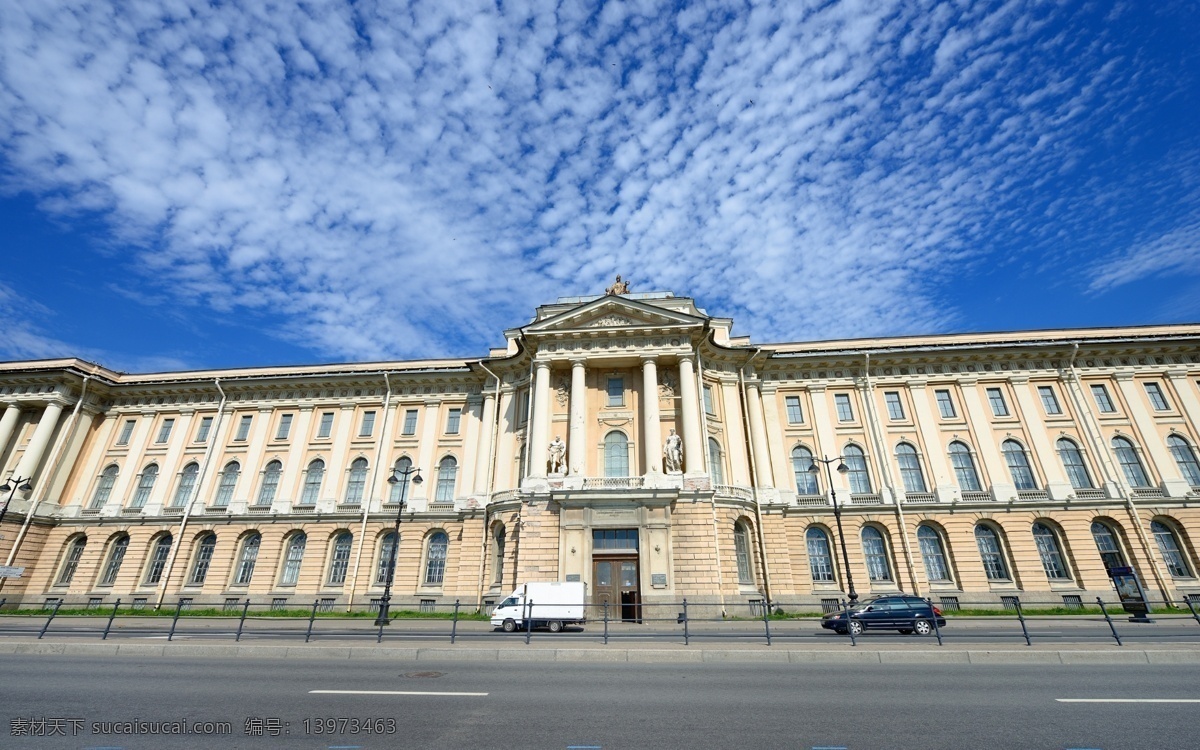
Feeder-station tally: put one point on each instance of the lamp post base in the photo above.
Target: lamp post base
(383, 618)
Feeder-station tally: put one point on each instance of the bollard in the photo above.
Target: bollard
(767, 622)
(1021, 617)
(311, 617)
(849, 630)
(242, 622)
(110, 619)
(606, 623)
(528, 621)
(45, 627)
(454, 623)
(1110, 622)
(686, 635)
(1186, 600)
(178, 609)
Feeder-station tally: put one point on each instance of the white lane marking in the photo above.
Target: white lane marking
(390, 692)
(1128, 700)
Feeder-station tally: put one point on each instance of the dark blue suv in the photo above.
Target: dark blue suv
(908, 614)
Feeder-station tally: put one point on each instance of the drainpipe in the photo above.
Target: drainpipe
(187, 508)
(881, 449)
(362, 533)
(495, 428)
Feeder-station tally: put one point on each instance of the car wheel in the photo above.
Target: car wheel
(856, 627)
(509, 626)
(923, 627)
(905, 631)
(555, 626)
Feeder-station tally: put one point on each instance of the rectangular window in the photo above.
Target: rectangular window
(795, 414)
(844, 412)
(1049, 400)
(325, 429)
(164, 430)
(410, 422)
(368, 424)
(945, 404)
(205, 428)
(453, 418)
(616, 391)
(126, 432)
(243, 430)
(285, 427)
(1103, 402)
(996, 399)
(708, 400)
(894, 407)
(1157, 399)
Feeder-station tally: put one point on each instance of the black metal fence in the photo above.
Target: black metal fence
(243, 619)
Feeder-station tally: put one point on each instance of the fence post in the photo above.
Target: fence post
(57, 604)
(242, 622)
(178, 608)
(1186, 600)
(110, 619)
(849, 630)
(686, 634)
(606, 623)
(1110, 622)
(311, 618)
(528, 620)
(1021, 617)
(936, 630)
(767, 622)
(454, 624)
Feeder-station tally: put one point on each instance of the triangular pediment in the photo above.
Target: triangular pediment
(614, 313)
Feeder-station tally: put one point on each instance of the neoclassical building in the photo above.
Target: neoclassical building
(630, 441)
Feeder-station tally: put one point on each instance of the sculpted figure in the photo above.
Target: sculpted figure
(673, 452)
(618, 287)
(557, 451)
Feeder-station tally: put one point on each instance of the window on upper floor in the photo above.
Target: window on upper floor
(1049, 400)
(1131, 463)
(204, 428)
(1072, 459)
(227, 484)
(841, 402)
(187, 483)
(126, 432)
(104, 487)
(945, 404)
(357, 482)
(996, 400)
(716, 467)
(410, 422)
(285, 427)
(616, 454)
(1185, 459)
(795, 414)
(616, 391)
(895, 408)
(910, 468)
(453, 420)
(243, 428)
(367, 427)
(270, 483)
(856, 462)
(313, 477)
(1018, 465)
(802, 465)
(447, 471)
(325, 427)
(404, 475)
(708, 400)
(1158, 399)
(1103, 402)
(964, 467)
(164, 430)
(145, 486)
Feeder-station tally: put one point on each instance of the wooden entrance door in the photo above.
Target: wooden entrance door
(615, 583)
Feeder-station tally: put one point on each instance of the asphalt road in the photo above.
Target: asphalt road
(529, 705)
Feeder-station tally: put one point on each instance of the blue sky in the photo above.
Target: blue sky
(187, 185)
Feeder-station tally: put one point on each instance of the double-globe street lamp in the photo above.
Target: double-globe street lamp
(12, 486)
(398, 476)
(842, 468)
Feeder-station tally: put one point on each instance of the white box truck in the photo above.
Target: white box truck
(547, 604)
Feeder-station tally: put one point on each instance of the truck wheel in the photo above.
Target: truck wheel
(510, 626)
(555, 626)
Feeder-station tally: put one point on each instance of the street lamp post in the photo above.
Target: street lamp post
(398, 475)
(842, 468)
(13, 485)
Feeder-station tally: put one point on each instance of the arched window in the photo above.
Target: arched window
(116, 556)
(1050, 552)
(339, 562)
(228, 483)
(158, 559)
(1185, 459)
(991, 553)
(1072, 460)
(964, 467)
(616, 454)
(104, 487)
(1168, 545)
(404, 475)
(187, 483)
(498, 539)
(910, 468)
(447, 469)
(387, 556)
(856, 461)
(875, 552)
(435, 559)
(802, 462)
(71, 560)
(313, 477)
(741, 547)
(933, 553)
(246, 561)
(145, 485)
(1018, 465)
(1131, 465)
(1106, 543)
(292, 559)
(357, 482)
(819, 558)
(270, 483)
(715, 467)
(204, 554)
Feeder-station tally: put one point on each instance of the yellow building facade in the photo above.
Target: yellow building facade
(627, 441)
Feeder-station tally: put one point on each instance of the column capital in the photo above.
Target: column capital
(648, 358)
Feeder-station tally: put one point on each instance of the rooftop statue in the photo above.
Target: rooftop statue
(618, 287)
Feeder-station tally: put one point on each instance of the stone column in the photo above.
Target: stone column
(651, 421)
(758, 436)
(483, 453)
(8, 423)
(39, 441)
(577, 427)
(536, 452)
(693, 447)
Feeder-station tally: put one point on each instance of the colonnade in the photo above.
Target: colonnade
(35, 451)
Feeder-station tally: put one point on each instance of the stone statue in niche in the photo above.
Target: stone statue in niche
(618, 287)
(556, 453)
(673, 453)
